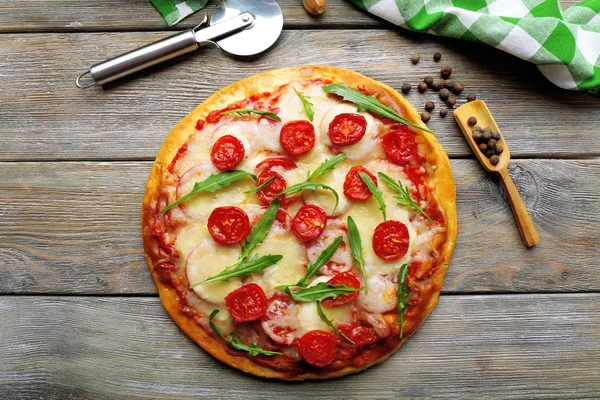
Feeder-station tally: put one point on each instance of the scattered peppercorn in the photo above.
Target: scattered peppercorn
(415, 58)
(443, 112)
(451, 101)
(491, 143)
(458, 87)
(483, 147)
(428, 80)
(489, 153)
(406, 88)
(437, 84)
(471, 97)
(444, 93)
(425, 116)
(487, 134)
(422, 86)
(446, 72)
(437, 57)
(477, 136)
(472, 121)
(499, 149)
(449, 84)
(429, 106)
(496, 135)
(494, 159)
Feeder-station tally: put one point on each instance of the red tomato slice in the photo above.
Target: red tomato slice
(354, 187)
(346, 279)
(279, 321)
(228, 225)
(317, 348)
(270, 192)
(247, 303)
(400, 145)
(267, 164)
(359, 333)
(227, 152)
(347, 128)
(297, 137)
(390, 240)
(309, 222)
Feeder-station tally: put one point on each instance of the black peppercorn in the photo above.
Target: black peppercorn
(406, 88)
(499, 149)
(477, 136)
(446, 72)
(451, 101)
(496, 135)
(444, 93)
(491, 143)
(487, 134)
(477, 128)
(428, 80)
(483, 147)
(437, 84)
(494, 159)
(429, 106)
(443, 112)
(425, 116)
(437, 57)
(472, 121)
(489, 153)
(422, 86)
(415, 58)
(471, 97)
(458, 87)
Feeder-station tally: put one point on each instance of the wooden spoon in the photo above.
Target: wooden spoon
(479, 110)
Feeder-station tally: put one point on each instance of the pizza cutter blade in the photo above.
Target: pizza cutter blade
(238, 27)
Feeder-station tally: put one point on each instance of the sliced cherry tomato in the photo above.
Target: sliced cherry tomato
(227, 152)
(268, 163)
(400, 145)
(270, 192)
(359, 333)
(297, 137)
(309, 222)
(390, 240)
(317, 348)
(346, 279)
(354, 187)
(228, 225)
(347, 128)
(247, 303)
(279, 320)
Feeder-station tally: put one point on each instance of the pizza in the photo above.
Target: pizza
(298, 224)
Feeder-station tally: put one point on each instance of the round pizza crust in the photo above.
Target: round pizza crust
(265, 82)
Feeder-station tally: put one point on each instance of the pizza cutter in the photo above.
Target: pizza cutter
(238, 27)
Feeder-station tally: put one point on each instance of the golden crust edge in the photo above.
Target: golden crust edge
(238, 91)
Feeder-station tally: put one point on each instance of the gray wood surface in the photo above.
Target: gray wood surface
(46, 117)
(74, 228)
(471, 347)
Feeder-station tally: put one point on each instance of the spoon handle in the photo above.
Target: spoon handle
(527, 229)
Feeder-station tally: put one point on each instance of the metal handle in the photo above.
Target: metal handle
(144, 57)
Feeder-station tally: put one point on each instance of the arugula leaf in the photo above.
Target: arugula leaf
(256, 265)
(236, 343)
(211, 184)
(319, 292)
(403, 303)
(306, 104)
(404, 200)
(356, 249)
(313, 269)
(330, 322)
(369, 103)
(261, 186)
(326, 166)
(260, 230)
(377, 194)
(297, 188)
(241, 111)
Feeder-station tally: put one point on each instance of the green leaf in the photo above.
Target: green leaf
(235, 341)
(326, 166)
(262, 186)
(260, 230)
(256, 265)
(369, 103)
(313, 268)
(356, 249)
(377, 194)
(330, 322)
(211, 184)
(319, 292)
(402, 293)
(297, 188)
(404, 200)
(306, 104)
(241, 111)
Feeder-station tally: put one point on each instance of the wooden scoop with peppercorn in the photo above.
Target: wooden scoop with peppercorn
(484, 137)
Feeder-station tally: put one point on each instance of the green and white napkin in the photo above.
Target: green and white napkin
(565, 46)
(174, 11)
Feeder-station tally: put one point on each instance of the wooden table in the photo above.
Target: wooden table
(80, 314)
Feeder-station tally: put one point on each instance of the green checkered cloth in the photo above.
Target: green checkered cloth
(174, 11)
(565, 46)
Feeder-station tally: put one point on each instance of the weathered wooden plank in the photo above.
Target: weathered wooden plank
(45, 117)
(74, 228)
(471, 347)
